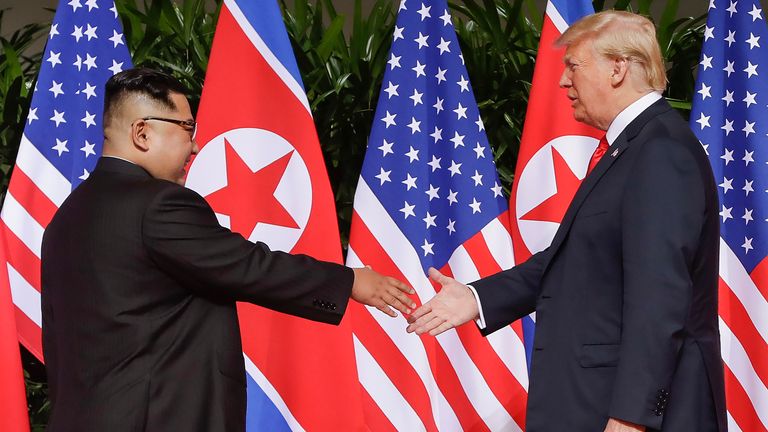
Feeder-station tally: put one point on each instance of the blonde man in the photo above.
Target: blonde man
(626, 295)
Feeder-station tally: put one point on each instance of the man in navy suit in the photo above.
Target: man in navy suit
(625, 297)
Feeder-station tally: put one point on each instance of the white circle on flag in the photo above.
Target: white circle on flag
(258, 148)
(537, 183)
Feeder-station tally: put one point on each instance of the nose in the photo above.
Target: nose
(565, 80)
(195, 148)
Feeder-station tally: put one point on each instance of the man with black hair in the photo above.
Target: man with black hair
(139, 281)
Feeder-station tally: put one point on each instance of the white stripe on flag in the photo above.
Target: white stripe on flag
(46, 177)
(732, 426)
(270, 57)
(21, 223)
(383, 392)
(25, 296)
(743, 287)
(737, 360)
(499, 244)
(556, 18)
(272, 394)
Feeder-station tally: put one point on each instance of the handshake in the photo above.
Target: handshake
(453, 305)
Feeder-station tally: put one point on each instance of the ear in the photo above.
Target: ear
(139, 132)
(619, 71)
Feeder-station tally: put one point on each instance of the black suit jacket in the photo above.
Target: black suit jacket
(626, 295)
(139, 283)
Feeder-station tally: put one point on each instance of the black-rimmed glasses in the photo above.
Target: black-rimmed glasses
(188, 125)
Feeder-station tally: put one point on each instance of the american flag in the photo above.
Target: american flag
(61, 142)
(429, 196)
(729, 117)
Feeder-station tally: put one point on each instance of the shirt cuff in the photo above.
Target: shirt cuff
(480, 321)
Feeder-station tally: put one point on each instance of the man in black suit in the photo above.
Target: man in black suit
(625, 297)
(139, 281)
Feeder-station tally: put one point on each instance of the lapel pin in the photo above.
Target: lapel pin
(615, 153)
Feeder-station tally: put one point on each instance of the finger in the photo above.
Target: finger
(400, 285)
(438, 277)
(427, 319)
(432, 324)
(446, 325)
(418, 324)
(386, 309)
(396, 303)
(403, 298)
(424, 309)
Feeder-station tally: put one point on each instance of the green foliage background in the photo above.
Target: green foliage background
(342, 61)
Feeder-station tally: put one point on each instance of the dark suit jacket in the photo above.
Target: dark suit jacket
(626, 295)
(139, 283)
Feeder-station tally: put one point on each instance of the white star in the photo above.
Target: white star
(479, 150)
(712, 4)
(56, 89)
(432, 192)
(460, 112)
(54, 31)
(408, 210)
(451, 226)
(464, 84)
(480, 124)
(726, 185)
(748, 187)
(709, 32)
(383, 176)
(706, 61)
(89, 119)
(435, 163)
(412, 154)
(727, 156)
(751, 69)
(748, 128)
(496, 189)
(416, 97)
(409, 182)
(414, 125)
(461, 56)
(731, 38)
(90, 32)
(706, 147)
(32, 115)
(478, 178)
(452, 198)
(398, 33)
(114, 10)
(386, 148)
(732, 8)
(58, 117)
(454, 169)
(727, 127)
(753, 41)
(402, 6)
(116, 67)
(422, 40)
(419, 69)
(53, 58)
(443, 46)
(424, 12)
(747, 216)
(85, 175)
(117, 38)
(446, 17)
(75, 4)
(90, 91)
(747, 245)
(437, 134)
(704, 92)
(78, 63)
(88, 149)
(703, 121)
(391, 90)
(748, 157)
(457, 140)
(427, 248)
(756, 13)
(438, 106)
(440, 75)
(91, 5)
(729, 68)
(430, 220)
(475, 206)
(394, 61)
(61, 146)
(389, 120)
(728, 98)
(89, 61)
(726, 213)
(749, 99)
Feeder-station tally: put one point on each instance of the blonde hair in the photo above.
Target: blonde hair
(619, 34)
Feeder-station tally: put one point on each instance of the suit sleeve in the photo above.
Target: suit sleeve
(512, 294)
(662, 220)
(182, 235)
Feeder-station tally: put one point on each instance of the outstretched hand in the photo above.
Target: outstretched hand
(452, 306)
(374, 289)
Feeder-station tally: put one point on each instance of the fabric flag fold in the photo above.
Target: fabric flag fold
(729, 118)
(261, 169)
(429, 196)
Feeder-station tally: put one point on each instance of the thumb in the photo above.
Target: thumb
(438, 277)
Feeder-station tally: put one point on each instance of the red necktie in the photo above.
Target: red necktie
(601, 149)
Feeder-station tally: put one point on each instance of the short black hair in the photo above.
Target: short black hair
(157, 85)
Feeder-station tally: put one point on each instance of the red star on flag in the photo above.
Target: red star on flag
(553, 208)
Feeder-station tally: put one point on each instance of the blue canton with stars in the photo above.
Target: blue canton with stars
(428, 157)
(85, 48)
(729, 117)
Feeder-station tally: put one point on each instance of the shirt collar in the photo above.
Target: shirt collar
(628, 114)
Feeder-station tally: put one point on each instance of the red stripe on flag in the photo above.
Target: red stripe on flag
(30, 335)
(737, 318)
(740, 405)
(374, 417)
(21, 258)
(26, 192)
(760, 276)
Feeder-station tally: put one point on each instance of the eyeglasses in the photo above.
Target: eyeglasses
(188, 125)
